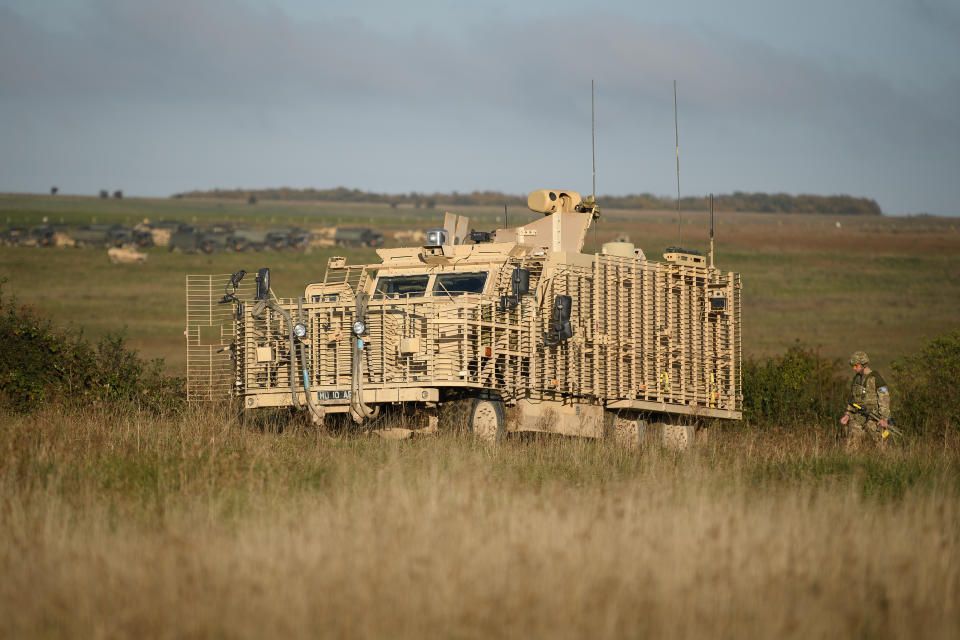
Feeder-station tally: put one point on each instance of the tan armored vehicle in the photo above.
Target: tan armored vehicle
(511, 330)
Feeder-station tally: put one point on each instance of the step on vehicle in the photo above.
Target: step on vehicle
(491, 332)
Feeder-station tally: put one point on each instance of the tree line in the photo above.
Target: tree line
(736, 201)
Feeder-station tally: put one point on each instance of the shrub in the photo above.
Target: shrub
(926, 387)
(799, 387)
(41, 364)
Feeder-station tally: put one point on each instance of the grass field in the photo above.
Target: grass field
(126, 526)
(115, 523)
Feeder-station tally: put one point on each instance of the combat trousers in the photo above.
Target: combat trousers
(861, 430)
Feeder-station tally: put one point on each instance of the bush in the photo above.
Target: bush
(799, 387)
(41, 364)
(927, 387)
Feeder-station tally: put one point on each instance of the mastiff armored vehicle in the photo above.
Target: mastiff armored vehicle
(509, 330)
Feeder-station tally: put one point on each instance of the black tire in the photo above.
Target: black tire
(454, 413)
(483, 417)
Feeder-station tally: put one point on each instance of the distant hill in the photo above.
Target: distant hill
(737, 201)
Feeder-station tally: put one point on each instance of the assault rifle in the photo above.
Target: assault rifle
(869, 415)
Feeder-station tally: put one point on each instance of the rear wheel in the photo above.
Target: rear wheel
(626, 429)
(678, 437)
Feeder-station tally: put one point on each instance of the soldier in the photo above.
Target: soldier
(868, 410)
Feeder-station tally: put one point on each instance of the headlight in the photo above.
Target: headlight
(299, 330)
(359, 327)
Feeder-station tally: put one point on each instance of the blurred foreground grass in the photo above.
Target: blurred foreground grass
(124, 525)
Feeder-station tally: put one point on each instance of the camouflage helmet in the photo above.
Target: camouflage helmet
(859, 357)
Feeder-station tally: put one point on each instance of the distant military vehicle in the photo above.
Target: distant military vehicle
(245, 239)
(603, 345)
(300, 239)
(97, 235)
(162, 230)
(214, 238)
(143, 236)
(15, 236)
(357, 237)
(280, 238)
(119, 236)
(45, 235)
(184, 239)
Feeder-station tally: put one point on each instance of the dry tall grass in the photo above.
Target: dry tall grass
(119, 526)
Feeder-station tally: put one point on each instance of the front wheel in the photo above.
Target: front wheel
(488, 420)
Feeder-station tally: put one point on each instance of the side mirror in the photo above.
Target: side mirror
(263, 284)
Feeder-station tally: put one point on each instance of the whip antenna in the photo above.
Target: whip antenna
(676, 133)
(593, 151)
(711, 231)
(593, 157)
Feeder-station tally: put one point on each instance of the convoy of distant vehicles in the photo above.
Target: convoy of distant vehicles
(188, 238)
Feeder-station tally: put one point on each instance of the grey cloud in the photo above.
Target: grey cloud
(179, 57)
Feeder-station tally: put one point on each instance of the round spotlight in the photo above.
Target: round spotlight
(359, 327)
(299, 330)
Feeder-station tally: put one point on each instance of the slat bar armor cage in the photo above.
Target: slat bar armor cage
(586, 335)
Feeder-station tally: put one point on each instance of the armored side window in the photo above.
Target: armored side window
(405, 286)
(455, 284)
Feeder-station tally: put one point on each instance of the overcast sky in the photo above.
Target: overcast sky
(857, 97)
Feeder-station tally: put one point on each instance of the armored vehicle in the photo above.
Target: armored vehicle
(96, 235)
(119, 236)
(357, 237)
(243, 239)
(142, 236)
(15, 236)
(474, 326)
(184, 239)
(214, 238)
(49, 235)
(280, 238)
(300, 239)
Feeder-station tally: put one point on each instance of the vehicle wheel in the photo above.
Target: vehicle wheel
(488, 420)
(484, 418)
(625, 429)
(678, 437)
(454, 414)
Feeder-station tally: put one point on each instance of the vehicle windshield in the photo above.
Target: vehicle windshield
(396, 286)
(456, 284)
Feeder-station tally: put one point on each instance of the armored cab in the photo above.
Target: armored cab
(474, 326)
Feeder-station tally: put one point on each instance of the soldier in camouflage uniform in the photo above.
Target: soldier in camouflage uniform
(868, 410)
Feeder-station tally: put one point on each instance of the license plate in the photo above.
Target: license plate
(334, 395)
